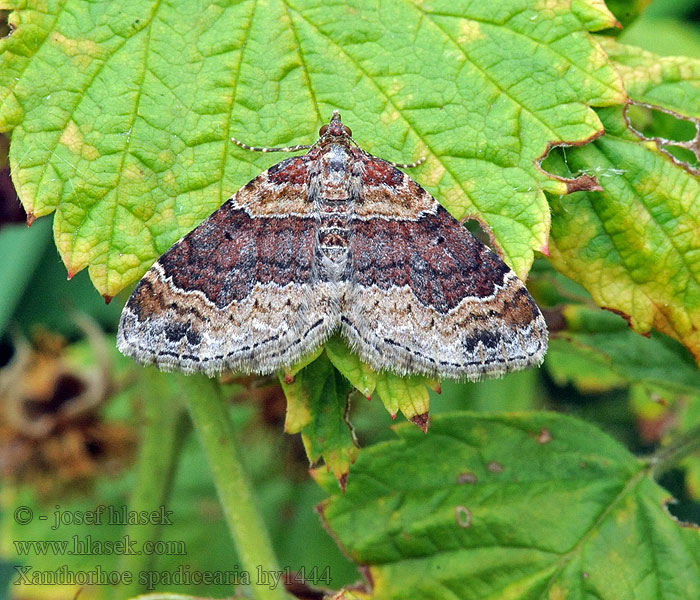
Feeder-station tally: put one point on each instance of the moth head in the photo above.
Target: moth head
(335, 127)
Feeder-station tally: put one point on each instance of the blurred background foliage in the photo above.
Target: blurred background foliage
(59, 365)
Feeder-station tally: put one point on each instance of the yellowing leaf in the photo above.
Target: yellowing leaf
(635, 245)
(406, 394)
(670, 82)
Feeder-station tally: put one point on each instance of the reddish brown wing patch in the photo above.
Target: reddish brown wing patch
(439, 301)
(235, 293)
(439, 260)
(231, 251)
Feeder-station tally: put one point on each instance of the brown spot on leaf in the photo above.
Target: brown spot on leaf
(495, 467)
(107, 298)
(651, 430)
(466, 477)
(463, 516)
(30, 218)
(544, 436)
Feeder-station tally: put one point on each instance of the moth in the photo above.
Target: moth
(334, 240)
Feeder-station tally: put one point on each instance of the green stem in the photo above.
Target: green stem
(213, 424)
(671, 455)
(165, 425)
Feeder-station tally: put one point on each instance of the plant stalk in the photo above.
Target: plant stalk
(212, 422)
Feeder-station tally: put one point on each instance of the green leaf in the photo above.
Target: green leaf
(626, 11)
(517, 391)
(680, 37)
(319, 396)
(598, 353)
(512, 506)
(358, 373)
(290, 372)
(406, 394)
(620, 356)
(122, 112)
(583, 367)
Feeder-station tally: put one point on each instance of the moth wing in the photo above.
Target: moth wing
(427, 296)
(234, 294)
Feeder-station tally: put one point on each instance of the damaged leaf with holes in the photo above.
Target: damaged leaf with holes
(664, 91)
(576, 512)
(634, 246)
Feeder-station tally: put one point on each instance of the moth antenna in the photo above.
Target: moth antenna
(420, 161)
(259, 149)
